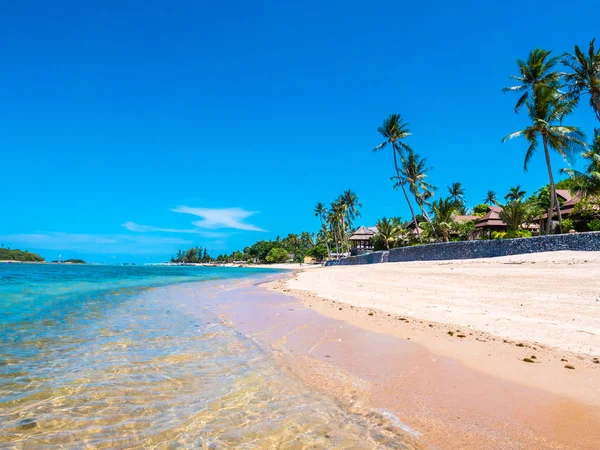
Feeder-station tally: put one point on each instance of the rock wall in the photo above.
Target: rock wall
(478, 249)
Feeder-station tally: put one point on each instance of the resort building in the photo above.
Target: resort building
(361, 239)
(491, 221)
(412, 227)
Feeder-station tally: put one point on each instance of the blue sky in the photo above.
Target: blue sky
(131, 129)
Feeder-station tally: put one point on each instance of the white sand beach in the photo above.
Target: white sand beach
(547, 298)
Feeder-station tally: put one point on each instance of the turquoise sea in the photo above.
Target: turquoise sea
(126, 357)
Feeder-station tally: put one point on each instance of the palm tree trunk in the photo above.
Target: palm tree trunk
(325, 236)
(334, 231)
(596, 102)
(412, 212)
(345, 235)
(427, 218)
(552, 187)
(558, 210)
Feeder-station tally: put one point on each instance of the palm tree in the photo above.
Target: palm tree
(443, 212)
(585, 78)
(536, 71)
(336, 218)
(321, 212)
(515, 194)
(414, 173)
(588, 182)
(394, 130)
(389, 230)
(457, 193)
(514, 214)
(546, 112)
(490, 198)
(350, 202)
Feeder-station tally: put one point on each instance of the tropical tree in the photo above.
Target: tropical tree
(547, 111)
(277, 254)
(514, 214)
(321, 212)
(413, 173)
(585, 78)
(335, 219)
(457, 193)
(388, 230)
(490, 198)
(535, 71)
(394, 130)
(443, 211)
(349, 201)
(587, 183)
(515, 194)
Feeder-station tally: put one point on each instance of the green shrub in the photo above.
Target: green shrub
(594, 225)
(277, 255)
(518, 234)
(567, 225)
(512, 234)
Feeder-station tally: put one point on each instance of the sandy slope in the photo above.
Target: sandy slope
(548, 298)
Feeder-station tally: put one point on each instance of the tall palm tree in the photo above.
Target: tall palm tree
(413, 173)
(321, 212)
(351, 203)
(443, 211)
(515, 194)
(457, 193)
(490, 198)
(535, 71)
(394, 130)
(546, 111)
(389, 230)
(336, 218)
(585, 78)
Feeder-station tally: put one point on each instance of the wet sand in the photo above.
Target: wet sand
(434, 399)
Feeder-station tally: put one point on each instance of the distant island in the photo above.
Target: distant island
(7, 254)
(70, 261)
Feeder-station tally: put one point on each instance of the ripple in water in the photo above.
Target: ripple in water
(133, 369)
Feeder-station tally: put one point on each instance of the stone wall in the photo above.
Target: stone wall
(478, 249)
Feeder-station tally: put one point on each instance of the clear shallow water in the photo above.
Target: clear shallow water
(90, 357)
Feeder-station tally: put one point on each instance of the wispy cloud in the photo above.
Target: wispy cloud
(95, 243)
(138, 228)
(215, 218)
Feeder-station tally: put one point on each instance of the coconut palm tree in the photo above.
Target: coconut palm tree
(585, 78)
(321, 212)
(515, 194)
(351, 203)
(413, 173)
(457, 193)
(335, 219)
(535, 71)
(394, 130)
(490, 198)
(443, 211)
(514, 214)
(547, 111)
(587, 182)
(388, 230)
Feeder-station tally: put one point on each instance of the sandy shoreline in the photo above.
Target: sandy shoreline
(389, 378)
(492, 315)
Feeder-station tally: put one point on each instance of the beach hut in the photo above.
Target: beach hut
(491, 221)
(360, 240)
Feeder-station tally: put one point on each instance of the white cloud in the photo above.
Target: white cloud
(94, 243)
(138, 228)
(214, 218)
